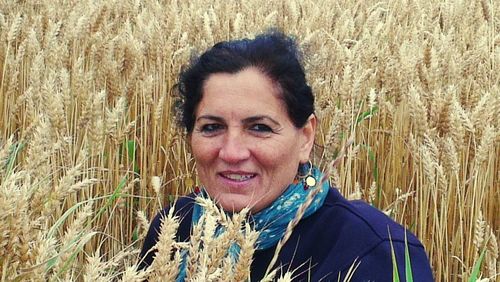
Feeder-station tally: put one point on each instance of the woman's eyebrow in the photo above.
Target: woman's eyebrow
(211, 117)
(260, 118)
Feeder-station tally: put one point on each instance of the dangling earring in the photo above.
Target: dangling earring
(305, 174)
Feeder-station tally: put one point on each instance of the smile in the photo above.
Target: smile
(237, 176)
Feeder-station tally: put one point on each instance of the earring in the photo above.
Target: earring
(305, 174)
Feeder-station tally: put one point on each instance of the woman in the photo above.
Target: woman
(249, 114)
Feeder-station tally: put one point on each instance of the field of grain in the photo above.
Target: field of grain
(90, 149)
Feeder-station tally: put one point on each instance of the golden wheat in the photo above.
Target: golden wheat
(87, 120)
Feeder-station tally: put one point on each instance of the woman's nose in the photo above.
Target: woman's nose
(234, 148)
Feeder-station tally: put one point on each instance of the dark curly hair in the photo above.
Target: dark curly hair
(273, 53)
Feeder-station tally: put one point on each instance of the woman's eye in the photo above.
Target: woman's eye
(261, 128)
(211, 128)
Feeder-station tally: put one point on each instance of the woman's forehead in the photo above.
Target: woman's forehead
(246, 93)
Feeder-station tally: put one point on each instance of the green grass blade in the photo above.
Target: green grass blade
(131, 151)
(117, 193)
(395, 272)
(80, 241)
(63, 218)
(477, 266)
(408, 271)
(135, 234)
(367, 114)
(15, 150)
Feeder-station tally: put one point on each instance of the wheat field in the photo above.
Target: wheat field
(90, 149)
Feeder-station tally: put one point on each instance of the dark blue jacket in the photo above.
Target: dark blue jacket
(326, 244)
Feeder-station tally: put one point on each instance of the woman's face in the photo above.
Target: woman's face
(246, 147)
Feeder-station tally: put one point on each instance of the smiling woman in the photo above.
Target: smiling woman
(249, 114)
(246, 148)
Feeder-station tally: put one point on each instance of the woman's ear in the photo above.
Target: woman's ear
(308, 131)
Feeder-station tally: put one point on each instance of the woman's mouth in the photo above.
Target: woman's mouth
(238, 177)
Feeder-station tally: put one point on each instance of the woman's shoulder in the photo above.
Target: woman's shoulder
(183, 208)
(359, 232)
(361, 216)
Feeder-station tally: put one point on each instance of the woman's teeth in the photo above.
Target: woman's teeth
(238, 177)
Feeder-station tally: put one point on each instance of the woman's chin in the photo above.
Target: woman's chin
(235, 203)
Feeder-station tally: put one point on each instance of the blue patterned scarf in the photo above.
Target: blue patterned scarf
(272, 221)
